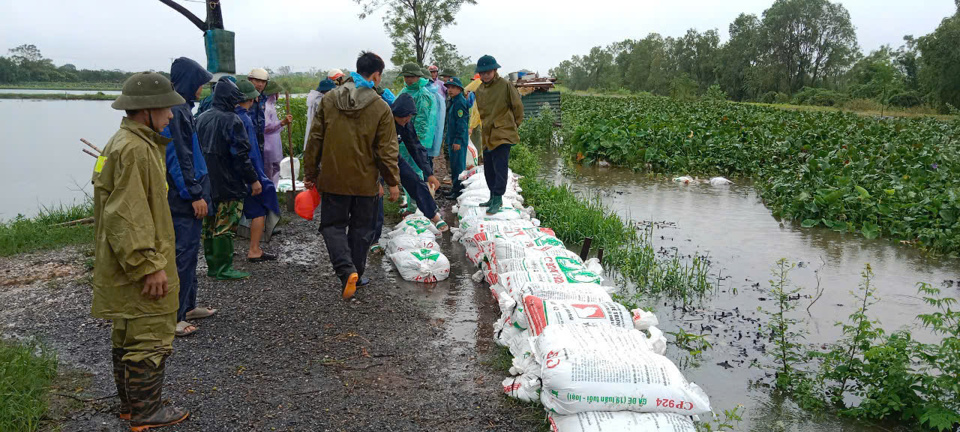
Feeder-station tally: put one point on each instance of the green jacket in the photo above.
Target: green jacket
(425, 122)
(501, 112)
(353, 142)
(134, 229)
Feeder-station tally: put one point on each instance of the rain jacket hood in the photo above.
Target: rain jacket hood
(187, 179)
(425, 122)
(404, 106)
(353, 99)
(226, 145)
(187, 76)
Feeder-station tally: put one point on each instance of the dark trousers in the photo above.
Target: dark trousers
(187, 233)
(458, 163)
(418, 190)
(495, 165)
(346, 223)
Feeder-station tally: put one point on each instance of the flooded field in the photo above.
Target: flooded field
(731, 226)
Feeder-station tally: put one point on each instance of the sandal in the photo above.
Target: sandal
(442, 226)
(183, 329)
(200, 313)
(263, 257)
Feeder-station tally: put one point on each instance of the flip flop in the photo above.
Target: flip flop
(200, 313)
(442, 226)
(182, 327)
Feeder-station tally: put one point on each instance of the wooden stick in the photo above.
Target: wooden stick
(83, 221)
(293, 173)
(97, 149)
(89, 153)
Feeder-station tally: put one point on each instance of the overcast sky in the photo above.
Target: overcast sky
(145, 34)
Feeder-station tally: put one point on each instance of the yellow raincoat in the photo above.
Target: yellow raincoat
(134, 229)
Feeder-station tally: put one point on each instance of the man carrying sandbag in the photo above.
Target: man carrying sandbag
(353, 142)
(135, 281)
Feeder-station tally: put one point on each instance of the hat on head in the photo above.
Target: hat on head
(272, 88)
(258, 73)
(455, 82)
(449, 73)
(404, 106)
(326, 85)
(411, 69)
(334, 74)
(147, 90)
(433, 68)
(424, 73)
(487, 63)
(248, 90)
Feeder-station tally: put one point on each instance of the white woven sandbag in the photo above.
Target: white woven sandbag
(624, 421)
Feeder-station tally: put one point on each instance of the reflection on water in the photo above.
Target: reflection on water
(744, 241)
(42, 164)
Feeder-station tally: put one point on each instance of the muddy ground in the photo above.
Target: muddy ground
(285, 352)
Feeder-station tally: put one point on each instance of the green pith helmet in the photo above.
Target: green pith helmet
(272, 88)
(425, 73)
(411, 69)
(147, 90)
(455, 82)
(449, 73)
(248, 90)
(487, 63)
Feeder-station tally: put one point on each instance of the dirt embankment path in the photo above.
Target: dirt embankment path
(285, 352)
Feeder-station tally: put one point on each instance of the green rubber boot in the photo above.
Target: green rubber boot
(487, 202)
(496, 201)
(211, 258)
(223, 249)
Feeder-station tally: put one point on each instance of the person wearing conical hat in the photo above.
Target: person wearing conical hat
(135, 280)
(501, 112)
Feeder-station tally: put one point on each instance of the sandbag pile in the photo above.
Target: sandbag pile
(413, 248)
(593, 364)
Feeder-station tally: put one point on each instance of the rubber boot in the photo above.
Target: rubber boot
(350, 287)
(145, 388)
(120, 381)
(487, 202)
(211, 258)
(223, 248)
(496, 201)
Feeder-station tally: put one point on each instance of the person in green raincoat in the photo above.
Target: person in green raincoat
(135, 281)
(425, 120)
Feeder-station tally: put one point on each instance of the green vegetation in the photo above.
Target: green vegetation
(46, 230)
(298, 109)
(573, 218)
(57, 96)
(27, 66)
(892, 177)
(798, 51)
(891, 377)
(61, 85)
(26, 372)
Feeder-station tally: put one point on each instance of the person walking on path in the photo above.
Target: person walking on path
(135, 280)
(501, 113)
(226, 149)
(457, 133)
(353, 143)
(273, 125)
(257, 208)
(188, 188)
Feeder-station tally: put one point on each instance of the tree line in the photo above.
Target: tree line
(800, 51)
(26, 64)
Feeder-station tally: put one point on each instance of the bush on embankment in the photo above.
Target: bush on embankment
(891, 177)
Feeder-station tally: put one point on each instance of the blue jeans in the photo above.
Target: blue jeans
(187, 233)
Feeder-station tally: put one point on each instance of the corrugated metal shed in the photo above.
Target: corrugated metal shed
(533, 102)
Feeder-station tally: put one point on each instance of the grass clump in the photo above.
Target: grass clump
(43, 231)
(26, 371)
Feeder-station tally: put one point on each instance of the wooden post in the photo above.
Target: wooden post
(291, 197)
(600, 255)
(585, 251)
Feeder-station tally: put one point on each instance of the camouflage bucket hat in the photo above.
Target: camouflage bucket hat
(147, 90)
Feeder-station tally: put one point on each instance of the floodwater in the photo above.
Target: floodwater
(55, 91)
(743, 241)
(42, 163)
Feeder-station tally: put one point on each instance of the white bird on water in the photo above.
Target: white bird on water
(719, 181)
